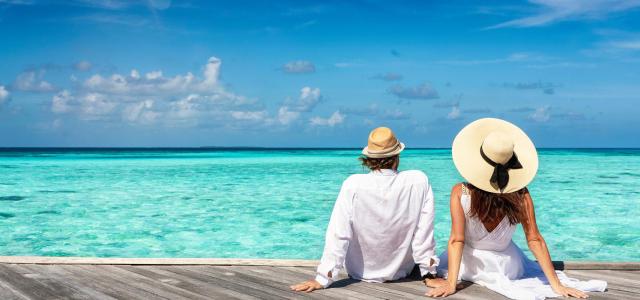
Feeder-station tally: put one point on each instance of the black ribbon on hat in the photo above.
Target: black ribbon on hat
(500, 176)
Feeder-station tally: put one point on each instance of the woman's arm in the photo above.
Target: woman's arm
(538, 246)
(455, 246)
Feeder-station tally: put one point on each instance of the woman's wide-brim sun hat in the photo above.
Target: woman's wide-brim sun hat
(495, 156)
(382, 143)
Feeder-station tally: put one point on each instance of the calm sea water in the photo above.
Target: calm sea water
(276, 203)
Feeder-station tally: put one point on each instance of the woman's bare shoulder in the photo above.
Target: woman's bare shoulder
(456, 190)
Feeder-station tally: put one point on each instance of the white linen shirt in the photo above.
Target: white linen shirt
(380, 227)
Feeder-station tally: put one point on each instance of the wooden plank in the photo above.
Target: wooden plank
(290, 278)
(228, 283)
(204, 288)
(9, 293)
(53, 277)
(354, 285)
(615, 279)
(255, 283)
(254, 279)
(272, 279)
(68, 278)
(161, 288)
(117, 288)
(286, 279)
(26, 286)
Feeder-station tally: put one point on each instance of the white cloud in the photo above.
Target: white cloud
(95, 106)
(306, 102)
(541, 114)
(423, 91)
(32, 81)
(335, 119)
(299, 66)
(4, 94)
(285, 116)
(140, 112)
(249, 115)
(454, 114)
(155, 83)
(180, 100)
(309, 98)
(60, 103)
(553, 11)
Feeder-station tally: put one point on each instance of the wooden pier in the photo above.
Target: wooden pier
(149, 278)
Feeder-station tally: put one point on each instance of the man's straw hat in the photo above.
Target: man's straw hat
(495, 156)
(382, 143)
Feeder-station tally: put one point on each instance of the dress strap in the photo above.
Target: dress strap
(465, 198)
(465, 189)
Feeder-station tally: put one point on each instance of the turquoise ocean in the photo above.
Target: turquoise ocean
(275, 203)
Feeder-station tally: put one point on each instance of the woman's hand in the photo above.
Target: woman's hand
(444, 290)
(569, 292)
(307, 286)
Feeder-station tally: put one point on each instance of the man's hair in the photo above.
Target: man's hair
(375, 164)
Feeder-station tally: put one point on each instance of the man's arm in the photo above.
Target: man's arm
(336, 244)
(424, 244)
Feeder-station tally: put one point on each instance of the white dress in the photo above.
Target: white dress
(492, 260)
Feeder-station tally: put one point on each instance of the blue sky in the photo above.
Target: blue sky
(316, 73)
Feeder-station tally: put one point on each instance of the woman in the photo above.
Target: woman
(498, 160)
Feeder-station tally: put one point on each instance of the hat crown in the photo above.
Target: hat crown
(382, 138)
(498, 146)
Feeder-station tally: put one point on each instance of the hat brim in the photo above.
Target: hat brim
(469, 162)
(393, 152)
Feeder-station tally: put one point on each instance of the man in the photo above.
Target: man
(382, 222)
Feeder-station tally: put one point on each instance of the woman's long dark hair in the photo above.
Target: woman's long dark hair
(489, 207)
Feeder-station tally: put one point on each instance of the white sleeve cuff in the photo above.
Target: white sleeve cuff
(432, 269)
(324, 281)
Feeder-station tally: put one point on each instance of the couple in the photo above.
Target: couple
(381, 226)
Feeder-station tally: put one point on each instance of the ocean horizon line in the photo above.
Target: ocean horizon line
(253, 148)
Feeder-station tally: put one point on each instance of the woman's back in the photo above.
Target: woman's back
(476, 234)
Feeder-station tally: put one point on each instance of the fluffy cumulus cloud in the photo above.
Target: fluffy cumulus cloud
(333, 120)
(420, 92)
(151, 97)
(292, 109)
(4, 94)
(32, 81)
(299, 67)
(182, 100)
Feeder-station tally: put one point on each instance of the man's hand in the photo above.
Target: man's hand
(442, 291)
(307, 286)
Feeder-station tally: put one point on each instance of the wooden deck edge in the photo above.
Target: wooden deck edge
(51, 260)
(46, 260)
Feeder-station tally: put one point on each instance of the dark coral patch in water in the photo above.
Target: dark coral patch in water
(58, 192)
(12, 198)
(6, 215)
(49, 212)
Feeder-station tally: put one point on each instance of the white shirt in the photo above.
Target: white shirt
(380, 227)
